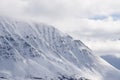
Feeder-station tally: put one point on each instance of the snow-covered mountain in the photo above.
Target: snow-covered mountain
(36, 51)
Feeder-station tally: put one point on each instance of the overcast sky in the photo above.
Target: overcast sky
(95, 22)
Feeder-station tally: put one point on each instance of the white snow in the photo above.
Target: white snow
(30, 50)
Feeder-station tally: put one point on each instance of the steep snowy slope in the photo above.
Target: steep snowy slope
(33, 51)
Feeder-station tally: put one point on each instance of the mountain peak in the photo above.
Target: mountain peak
(30, 50)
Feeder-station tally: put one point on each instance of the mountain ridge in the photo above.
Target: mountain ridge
(32, 50)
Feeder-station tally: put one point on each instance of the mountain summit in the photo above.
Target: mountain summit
(36, 51)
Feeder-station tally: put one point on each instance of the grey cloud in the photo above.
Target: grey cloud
(71, 16)
(78, 8)
(116, 16)
(59, 8)
(97, 34)
(106, 52)
(98, 17)
(45, 8)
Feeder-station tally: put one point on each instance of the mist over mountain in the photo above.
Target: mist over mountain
(37, 51)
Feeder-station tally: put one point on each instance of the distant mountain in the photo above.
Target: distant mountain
(36, 51)
(113, 60)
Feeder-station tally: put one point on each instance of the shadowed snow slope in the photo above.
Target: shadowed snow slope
(36, 51)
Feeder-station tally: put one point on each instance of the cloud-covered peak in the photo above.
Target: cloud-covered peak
(96, 19)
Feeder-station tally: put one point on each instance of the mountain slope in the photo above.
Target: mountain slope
(33, 51)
